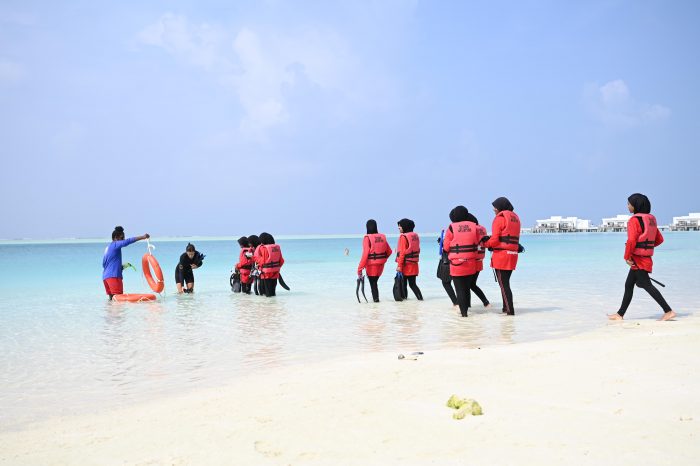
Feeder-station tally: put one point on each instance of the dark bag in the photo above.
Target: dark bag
(235, 282)
(443, 269)
(398, 287)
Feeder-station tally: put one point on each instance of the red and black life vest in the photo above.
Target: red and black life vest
(509, 238)
(273, 261)
(378, 249)
(646, 241)
(412, 253)
(465, 242)
(480, 250)
(246, 261)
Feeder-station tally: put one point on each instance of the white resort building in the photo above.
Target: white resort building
(687, 222)
(618, 223)
(559, 224)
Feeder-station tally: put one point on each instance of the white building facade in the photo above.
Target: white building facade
(559, 224)
(690, 222)
(618, 223)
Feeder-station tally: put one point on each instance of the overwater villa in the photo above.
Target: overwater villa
(690, 222)
(559, 224)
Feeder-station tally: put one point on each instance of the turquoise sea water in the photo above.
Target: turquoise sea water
(64, 349)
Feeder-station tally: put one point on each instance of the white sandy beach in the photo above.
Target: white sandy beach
(628, 393)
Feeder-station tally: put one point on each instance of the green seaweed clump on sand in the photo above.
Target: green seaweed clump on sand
(464, 407)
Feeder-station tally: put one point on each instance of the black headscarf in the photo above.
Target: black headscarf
(640, 202)
(452, 215)
(266, 238)
(118, 232)
(254, 241)
(406, 225)
(243, 242)
(472, 218)
(372, 227)
(459, 214)
(502, 203)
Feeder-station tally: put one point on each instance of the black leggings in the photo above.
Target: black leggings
(373, 286)
(462, 286)
(477, 291)
(503, 278)
(411, 281)
(447, 285)
(269, 286)
(641, 279)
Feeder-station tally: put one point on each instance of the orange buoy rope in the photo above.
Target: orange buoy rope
(134, 297)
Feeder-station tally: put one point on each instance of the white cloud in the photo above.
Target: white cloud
(10, 72)
(261, 67)
(197, 45)
(614, 106)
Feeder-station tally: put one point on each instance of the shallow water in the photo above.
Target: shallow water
(66, 349)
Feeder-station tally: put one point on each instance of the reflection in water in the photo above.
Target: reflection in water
(261, 322)
(371, 327)
(406, 320)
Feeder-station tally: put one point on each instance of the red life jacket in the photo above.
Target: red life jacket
(465, 242)
(378, 248)
(245, 261)
(510, 237)
(480, 250)
(273, 262)
(645, 242)
(412, 253)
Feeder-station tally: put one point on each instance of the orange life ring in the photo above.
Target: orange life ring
(134, 297)
(148, 262)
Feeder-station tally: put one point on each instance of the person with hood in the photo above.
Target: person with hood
(642, 237)
(407, 255)
(189, 260)
(112, 266)
(245, 263)
(504, 242)
(443, 271)
(479, 266)
(375, 252)
(268, 257)
(461, 243)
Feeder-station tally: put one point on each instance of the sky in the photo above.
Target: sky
(210, 118)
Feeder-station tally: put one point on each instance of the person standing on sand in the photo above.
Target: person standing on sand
(642, 237)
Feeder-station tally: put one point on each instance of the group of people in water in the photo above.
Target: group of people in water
(463, 246)
(258, 267)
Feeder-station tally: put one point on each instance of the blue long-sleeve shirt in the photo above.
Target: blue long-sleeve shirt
(112, 260)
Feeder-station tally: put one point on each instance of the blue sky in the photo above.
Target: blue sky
(236, 117)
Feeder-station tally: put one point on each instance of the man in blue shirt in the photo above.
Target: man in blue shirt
(112, 261)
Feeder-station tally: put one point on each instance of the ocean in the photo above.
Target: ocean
(65, 349)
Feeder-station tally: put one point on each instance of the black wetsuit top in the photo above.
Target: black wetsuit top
(183, 270)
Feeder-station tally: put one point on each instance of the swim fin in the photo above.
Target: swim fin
(282, 283)
(360, 284)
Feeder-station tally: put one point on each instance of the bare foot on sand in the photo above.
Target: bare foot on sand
(615, 316)
(668, 315)
(487, 306)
